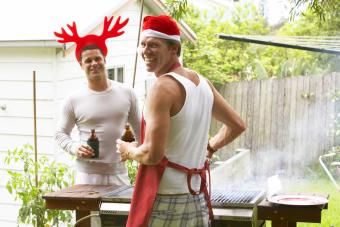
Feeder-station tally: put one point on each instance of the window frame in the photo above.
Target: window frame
(115, 69)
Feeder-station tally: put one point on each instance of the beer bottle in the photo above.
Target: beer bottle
(128, 134)
(93, 142)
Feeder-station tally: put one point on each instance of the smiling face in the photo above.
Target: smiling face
(157, 55)
(93, 63)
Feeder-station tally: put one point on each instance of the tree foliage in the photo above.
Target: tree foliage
(223, 61)
(298, 62)
(177, 8)
(219, 60)
(324, 9)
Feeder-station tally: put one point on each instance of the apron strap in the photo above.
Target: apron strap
(203, 187)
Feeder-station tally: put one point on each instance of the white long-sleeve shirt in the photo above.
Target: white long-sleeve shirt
(107, 112)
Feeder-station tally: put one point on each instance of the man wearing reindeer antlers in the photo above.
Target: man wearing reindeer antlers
(103, 105)
(171, 185)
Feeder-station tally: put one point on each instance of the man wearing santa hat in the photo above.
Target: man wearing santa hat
(171, 185)
(104, 105)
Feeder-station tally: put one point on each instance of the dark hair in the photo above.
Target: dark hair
(173, 43)
(90, 47)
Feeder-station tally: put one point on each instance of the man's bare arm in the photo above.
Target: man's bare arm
(159, 103)
(233, 125)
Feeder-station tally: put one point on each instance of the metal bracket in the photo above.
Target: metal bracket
(327, 170)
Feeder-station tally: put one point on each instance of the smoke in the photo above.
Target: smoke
(292, 153)
(285, 153)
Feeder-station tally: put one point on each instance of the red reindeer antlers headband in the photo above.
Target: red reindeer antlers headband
(92, 39)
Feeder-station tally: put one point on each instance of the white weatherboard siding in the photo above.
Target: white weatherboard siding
(43, 141)
(16, 92)
(44, 108)
(23, 70)
(16, 120)
(8, 217)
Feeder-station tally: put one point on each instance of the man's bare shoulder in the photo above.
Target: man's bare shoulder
(163, 93)
(166, 85)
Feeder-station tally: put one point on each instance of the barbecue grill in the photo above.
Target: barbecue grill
(230, 207)
(234, 198)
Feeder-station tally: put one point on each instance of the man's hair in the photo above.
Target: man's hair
(90, 47)
(173, 43)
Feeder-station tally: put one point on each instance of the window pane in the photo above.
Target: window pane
(111, 74)
(120, 74)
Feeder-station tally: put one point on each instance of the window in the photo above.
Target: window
(116, 73)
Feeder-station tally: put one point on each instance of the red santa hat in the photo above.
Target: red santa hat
(91, 39)
(162, 26)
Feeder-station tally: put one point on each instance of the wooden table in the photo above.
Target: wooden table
(86, 198)
(81, 198)
(288, 216)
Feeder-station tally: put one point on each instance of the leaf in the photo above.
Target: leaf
(176, 8)
(9, 188)
(20, 183)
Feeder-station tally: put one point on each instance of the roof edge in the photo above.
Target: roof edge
(31, 43)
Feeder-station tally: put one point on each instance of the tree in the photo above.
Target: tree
(222, 61)
(323, 8)
(298, 62)
(219, 60)
(177, 8)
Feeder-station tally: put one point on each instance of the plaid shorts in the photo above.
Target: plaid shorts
(179, 211)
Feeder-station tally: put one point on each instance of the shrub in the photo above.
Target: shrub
(21, 183)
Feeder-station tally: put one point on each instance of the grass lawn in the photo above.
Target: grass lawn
(331, 216)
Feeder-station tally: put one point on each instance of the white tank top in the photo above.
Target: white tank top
(188, 136)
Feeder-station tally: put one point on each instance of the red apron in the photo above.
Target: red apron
(147, 183)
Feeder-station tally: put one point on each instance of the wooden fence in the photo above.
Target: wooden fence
(289, 121)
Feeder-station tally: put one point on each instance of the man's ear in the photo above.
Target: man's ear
(175, 48)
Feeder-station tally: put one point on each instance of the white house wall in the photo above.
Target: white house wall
(16, 119)
(16, 93)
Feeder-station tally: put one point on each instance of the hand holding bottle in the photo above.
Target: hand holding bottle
(84, 151)
(93, 143)
(127, 139)
(124, 149)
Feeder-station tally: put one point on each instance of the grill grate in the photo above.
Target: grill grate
(235, 198)
(219, 198)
